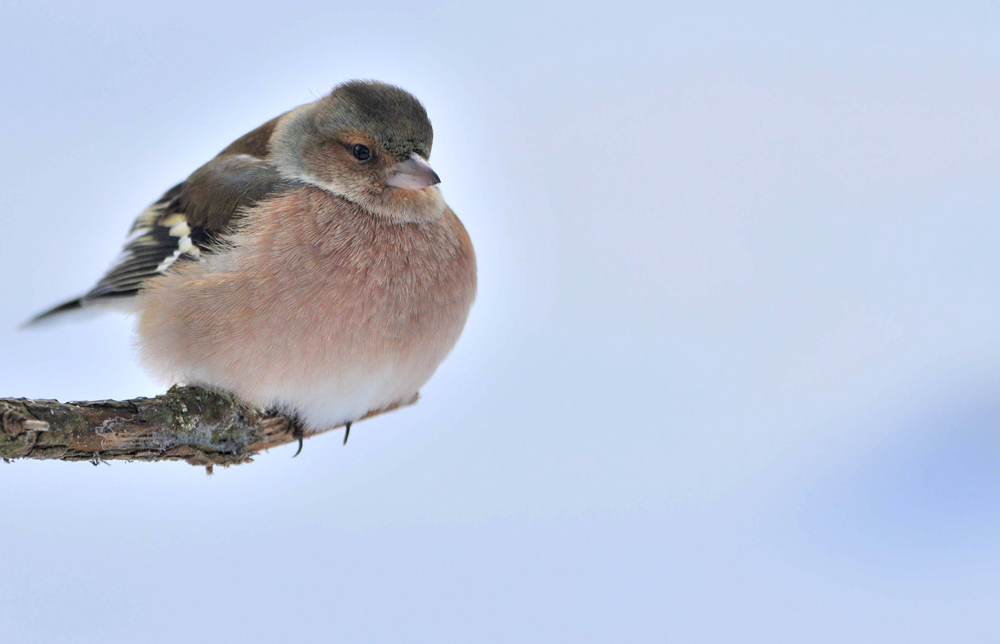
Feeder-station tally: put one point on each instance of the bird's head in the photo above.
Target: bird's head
(368, 142)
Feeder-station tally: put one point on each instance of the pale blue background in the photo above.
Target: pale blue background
(733, 372)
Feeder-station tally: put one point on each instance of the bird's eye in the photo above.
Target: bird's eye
(361, 152)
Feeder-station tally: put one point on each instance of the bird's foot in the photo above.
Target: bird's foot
(281, 422)
(347, 430)
(299, 432)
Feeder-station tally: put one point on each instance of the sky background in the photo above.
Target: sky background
(732, 374)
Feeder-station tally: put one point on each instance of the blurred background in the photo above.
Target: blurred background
(732, 374)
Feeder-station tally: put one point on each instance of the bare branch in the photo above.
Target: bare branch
(188, 424)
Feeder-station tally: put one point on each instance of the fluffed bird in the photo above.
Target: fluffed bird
(312, 267)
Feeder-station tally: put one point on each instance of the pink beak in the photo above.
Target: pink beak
(413, 174)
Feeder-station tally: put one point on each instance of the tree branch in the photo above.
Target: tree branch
(188, 424)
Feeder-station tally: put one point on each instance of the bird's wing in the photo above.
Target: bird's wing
(187, 221)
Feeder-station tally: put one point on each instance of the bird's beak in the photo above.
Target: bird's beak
(413, 174)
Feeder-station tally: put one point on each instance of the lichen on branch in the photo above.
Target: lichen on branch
(188, 424)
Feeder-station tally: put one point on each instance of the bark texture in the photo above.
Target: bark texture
(188, 424)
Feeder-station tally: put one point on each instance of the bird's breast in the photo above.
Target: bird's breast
(315, 295)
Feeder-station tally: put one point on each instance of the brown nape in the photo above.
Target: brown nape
(255, 142)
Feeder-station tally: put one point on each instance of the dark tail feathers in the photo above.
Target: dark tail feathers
(65, 307)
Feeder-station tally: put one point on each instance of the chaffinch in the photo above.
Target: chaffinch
(312, 266)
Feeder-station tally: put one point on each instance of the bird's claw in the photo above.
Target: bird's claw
(298, 432)
(281, 422)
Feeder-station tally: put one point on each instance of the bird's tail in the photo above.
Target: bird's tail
(83, 308)
(55, 312)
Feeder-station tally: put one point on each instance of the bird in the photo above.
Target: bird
(312, 267)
